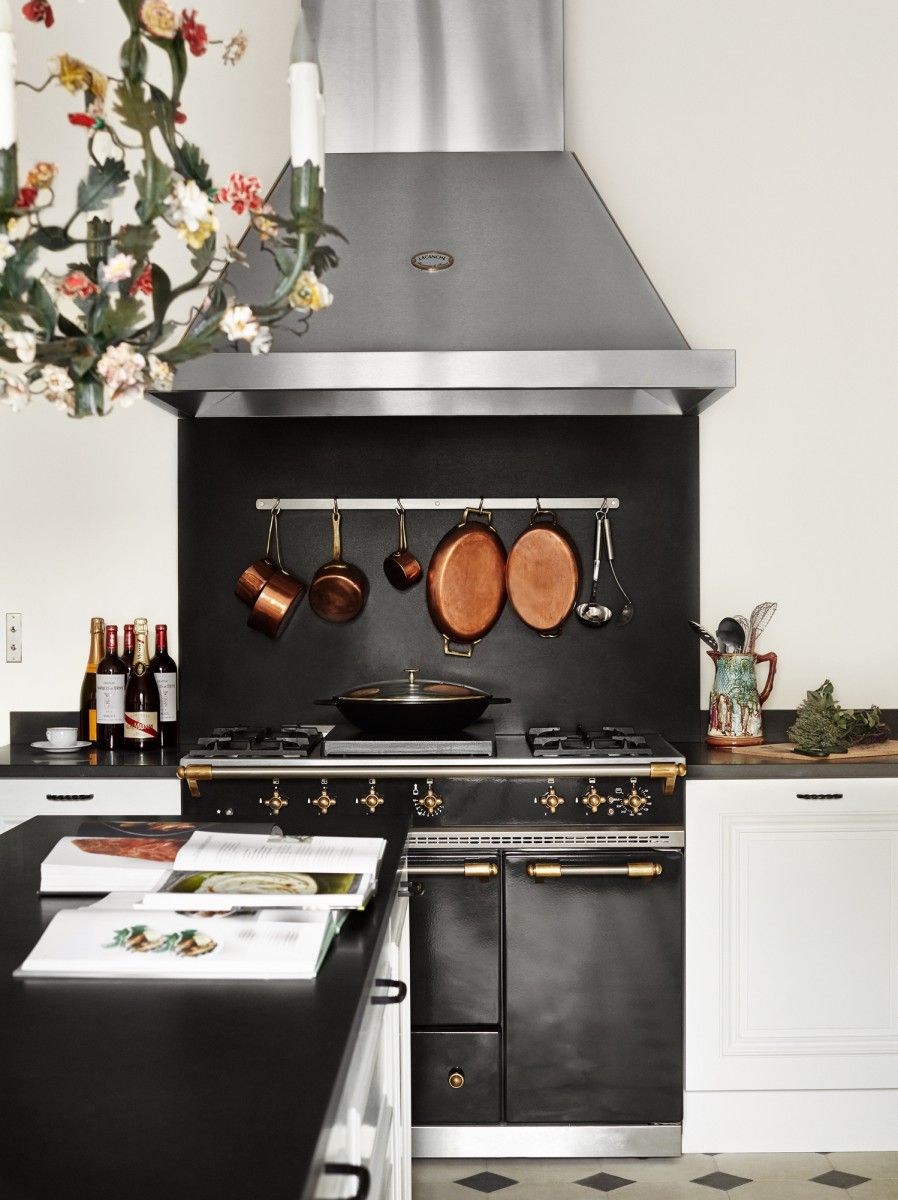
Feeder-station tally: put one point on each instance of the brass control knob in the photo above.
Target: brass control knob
(456, 1078)
(372, 801)
(323, 801)
(550, 798)
(636, 800)
(592, 799)
(275, 801)
(430, 802)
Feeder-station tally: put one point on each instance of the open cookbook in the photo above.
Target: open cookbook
(106, 942)
(218, 871)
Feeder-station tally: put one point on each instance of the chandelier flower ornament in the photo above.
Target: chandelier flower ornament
(86, 312)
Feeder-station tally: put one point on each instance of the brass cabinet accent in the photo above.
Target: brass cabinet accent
(456, 1079)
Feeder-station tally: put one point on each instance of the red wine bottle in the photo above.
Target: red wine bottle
(128, 654)
(141, 696)
(111, 676)
(166, 672)
(87, 708)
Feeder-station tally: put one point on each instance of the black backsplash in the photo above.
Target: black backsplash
(644, 674)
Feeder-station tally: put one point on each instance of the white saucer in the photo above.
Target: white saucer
(49, 748)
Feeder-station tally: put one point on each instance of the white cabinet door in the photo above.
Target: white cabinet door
(791, 934)
(24, 798)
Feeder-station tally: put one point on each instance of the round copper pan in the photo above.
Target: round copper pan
(466, 582)
(276, 603)
(542, 574)
(253, 579)
(338, 590)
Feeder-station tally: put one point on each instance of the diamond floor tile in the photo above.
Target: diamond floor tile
(486, 1181)
(840, 1179)
(604, 1182)
(722, 1181)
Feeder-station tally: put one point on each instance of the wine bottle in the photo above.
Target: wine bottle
(87, 708)
(141, 696)
(128, 652)
(165, 670)
(111, 677)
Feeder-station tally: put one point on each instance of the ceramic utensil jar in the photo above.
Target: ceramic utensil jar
(735, 704)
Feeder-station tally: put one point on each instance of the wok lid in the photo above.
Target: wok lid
(411, 691)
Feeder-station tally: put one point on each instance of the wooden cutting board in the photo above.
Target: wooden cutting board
(786, 751)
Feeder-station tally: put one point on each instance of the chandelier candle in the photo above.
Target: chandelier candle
(8, 180)
(306, 102)
(141, 696)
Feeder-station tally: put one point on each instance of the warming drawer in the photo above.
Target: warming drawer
(456, 1078)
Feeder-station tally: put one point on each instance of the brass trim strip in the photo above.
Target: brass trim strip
(636, 870)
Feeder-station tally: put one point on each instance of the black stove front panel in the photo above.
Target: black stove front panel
(469, 803)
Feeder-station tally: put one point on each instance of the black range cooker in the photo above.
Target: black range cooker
(545, 876)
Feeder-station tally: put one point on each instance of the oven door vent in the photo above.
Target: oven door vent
(444, 839)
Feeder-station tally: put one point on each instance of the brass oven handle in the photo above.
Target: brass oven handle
(478, 870)
(635, 870)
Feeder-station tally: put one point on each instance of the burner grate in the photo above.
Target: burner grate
(611, 741)
(240, 741)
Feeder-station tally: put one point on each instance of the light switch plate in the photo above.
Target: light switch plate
(13, 637)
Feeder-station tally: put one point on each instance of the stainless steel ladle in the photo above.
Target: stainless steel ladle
(591, 612)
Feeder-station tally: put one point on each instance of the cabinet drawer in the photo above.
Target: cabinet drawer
(57, 797)
(803, 797)
(474, 1056)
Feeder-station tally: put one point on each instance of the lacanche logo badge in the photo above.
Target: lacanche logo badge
(433, 260)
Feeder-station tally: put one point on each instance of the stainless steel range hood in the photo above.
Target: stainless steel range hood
(545, 308)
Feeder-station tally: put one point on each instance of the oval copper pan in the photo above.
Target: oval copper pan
(542, 577)
(466, 583)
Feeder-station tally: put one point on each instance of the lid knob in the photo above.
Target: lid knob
(411, 672)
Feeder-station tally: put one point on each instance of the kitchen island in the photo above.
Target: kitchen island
(215, 1089)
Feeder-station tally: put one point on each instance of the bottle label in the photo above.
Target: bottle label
(110, 699)
(142, 726)
(92, 725)
(167, 683)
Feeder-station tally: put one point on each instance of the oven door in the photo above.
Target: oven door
(594, 987)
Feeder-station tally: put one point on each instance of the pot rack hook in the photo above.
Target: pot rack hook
(399, 507)
(336, 508)
(539, 507)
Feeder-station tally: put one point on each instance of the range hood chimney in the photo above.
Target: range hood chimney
(445, 150)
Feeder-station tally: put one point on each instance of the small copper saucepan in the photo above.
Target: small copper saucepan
(338, 590)
(279, 596)
(253, 579)
(401, 567)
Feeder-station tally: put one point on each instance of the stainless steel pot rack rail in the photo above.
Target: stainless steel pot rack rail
(368, 503)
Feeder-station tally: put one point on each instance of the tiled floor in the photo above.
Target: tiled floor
(694, 1176)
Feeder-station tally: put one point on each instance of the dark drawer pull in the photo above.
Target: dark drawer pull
(819, 796)
(80, 796)
(401, 991)
(362, 1174)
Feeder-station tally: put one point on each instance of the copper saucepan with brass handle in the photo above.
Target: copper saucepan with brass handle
(339, 589)
(401, 567)
(278, 597)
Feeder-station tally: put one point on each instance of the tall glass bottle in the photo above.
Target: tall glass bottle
(128, 652)
(87, 707)
(111, 676)
(141, 696)
(165, 670)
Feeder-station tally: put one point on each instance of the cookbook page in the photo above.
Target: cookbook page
(205, 851)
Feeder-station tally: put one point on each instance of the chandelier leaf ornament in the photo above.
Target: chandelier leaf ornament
(96, 328)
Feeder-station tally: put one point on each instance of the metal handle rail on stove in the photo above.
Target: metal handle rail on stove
(472, 870)
(634, 870)
(195, 774)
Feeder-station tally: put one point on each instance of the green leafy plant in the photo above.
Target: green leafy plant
(822, 724)
(101, 331)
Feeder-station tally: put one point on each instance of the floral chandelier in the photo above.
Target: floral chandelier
(99, 332)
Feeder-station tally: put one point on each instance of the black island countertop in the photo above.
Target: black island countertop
(214, 1090)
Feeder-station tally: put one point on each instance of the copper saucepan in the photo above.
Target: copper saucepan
(279, 596)
(401, 567)
(253, 579)
(338, 590)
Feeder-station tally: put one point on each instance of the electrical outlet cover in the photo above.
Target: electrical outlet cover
(13, 637)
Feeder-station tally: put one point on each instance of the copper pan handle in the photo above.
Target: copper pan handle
(337, 552)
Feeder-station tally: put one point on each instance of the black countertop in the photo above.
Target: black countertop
(23, 762)
(214, 1090)
(703, 762)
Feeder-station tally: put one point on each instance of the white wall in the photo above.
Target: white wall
(747, 151)
(88, 508)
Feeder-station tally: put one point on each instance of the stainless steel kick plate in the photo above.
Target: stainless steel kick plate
(13, 637)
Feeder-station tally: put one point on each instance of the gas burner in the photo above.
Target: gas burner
(239, 741)
(611, 741)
